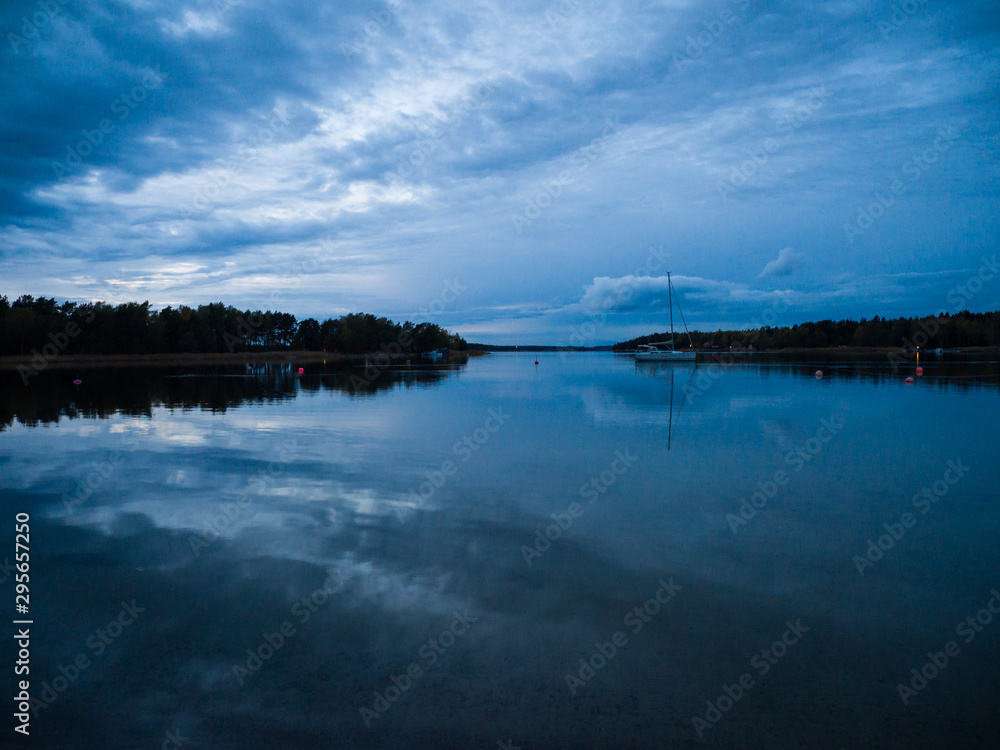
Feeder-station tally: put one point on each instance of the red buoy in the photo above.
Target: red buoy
(819, 374)
(909, 380)
(920, 371)
(301, 370)
(77, 381)
(536, 361)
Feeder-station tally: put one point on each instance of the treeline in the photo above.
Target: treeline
(30, 326)
(944, 331)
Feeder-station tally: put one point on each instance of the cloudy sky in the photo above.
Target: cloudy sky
(521, 172)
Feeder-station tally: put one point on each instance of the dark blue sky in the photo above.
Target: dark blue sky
(519, 172)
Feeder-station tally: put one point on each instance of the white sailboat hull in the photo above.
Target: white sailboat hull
(664, 356)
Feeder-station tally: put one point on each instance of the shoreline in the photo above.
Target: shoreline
(12, 362)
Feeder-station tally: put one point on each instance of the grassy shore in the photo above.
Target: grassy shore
(223, 358)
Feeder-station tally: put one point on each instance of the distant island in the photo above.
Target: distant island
(41, 327)
(44, 328)
(963, 329)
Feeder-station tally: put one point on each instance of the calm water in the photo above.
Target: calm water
(389, 541)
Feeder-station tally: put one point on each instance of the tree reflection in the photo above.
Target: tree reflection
(136, 391)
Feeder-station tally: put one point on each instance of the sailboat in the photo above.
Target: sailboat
(663, 351)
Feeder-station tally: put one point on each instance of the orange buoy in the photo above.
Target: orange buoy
(909, 380)
(920, 371)
(819, 374)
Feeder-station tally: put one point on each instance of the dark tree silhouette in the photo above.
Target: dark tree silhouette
(30, 326)
(944, 331)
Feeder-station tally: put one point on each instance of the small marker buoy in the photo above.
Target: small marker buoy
(77, 381)
(920, 371)
(301, 370)
(819, 374)
(909, 380)
(536, 361)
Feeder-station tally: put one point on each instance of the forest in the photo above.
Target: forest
(945, 331)
(29, 325)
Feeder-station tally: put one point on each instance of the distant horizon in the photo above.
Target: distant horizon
(783, 312)
(590, 344)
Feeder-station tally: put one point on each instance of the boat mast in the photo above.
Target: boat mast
(670, 299)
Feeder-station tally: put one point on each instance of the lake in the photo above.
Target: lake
(585, 552)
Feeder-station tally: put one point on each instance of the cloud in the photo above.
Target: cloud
(787, 263)
(628, 293)
(412, 132)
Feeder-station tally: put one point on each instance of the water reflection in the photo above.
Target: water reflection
(221, 500)
(136, 391)
(673, 371)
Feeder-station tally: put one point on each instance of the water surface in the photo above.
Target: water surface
(526, 510)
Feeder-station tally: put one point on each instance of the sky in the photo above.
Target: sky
(516, 172)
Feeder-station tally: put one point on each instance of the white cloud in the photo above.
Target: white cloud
(193, 22)
(788, 262)
(645, 292)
